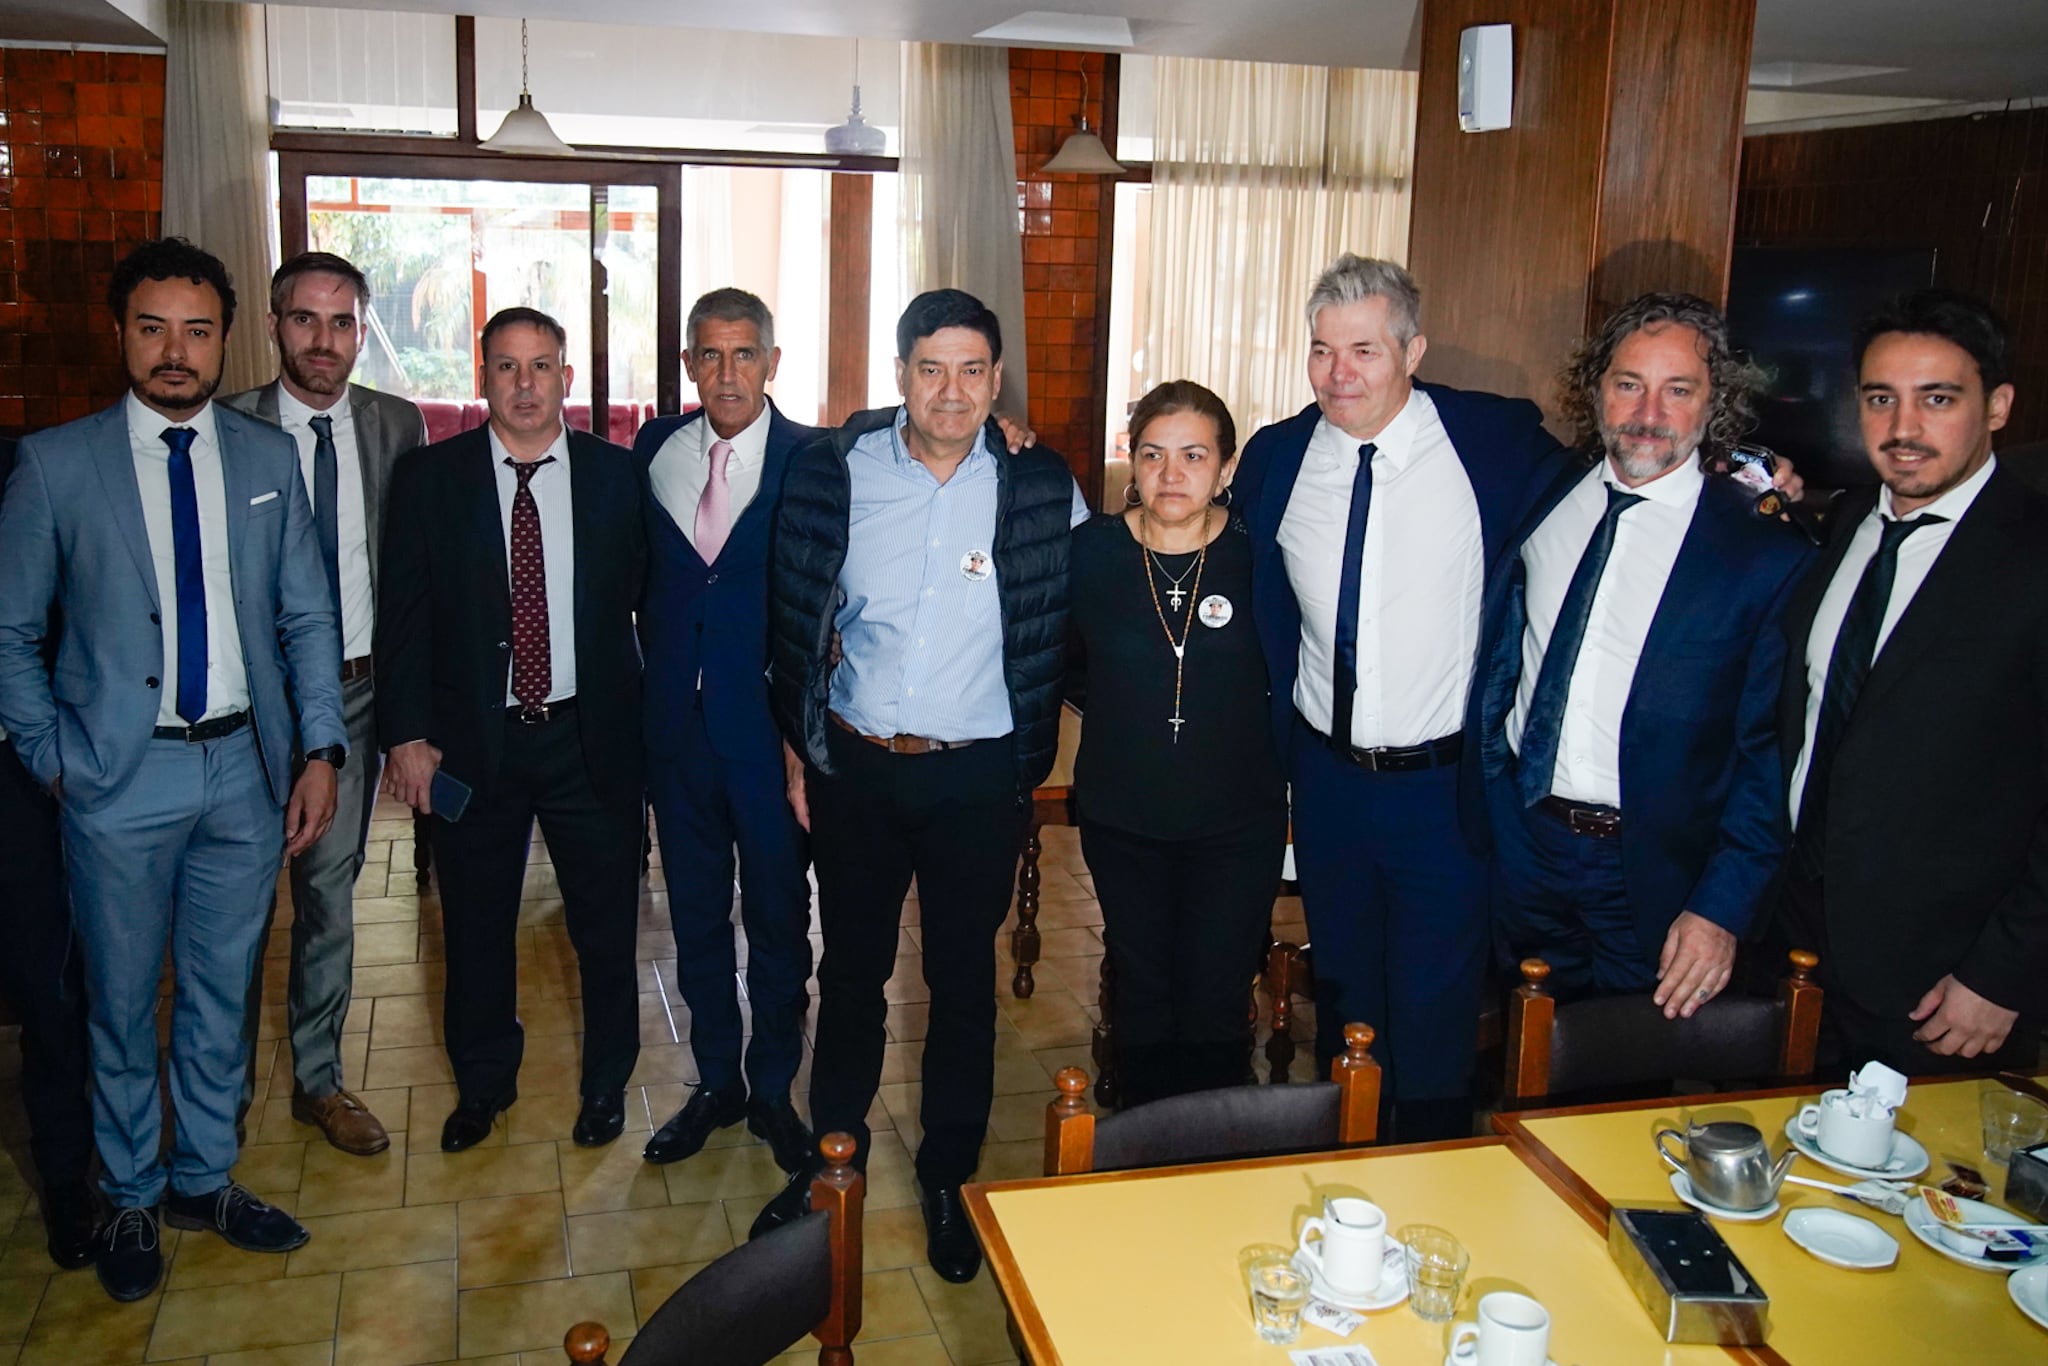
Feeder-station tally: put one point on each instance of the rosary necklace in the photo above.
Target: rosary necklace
(1174, 594)
(1187, 626)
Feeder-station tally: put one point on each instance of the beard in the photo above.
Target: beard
(313, 381)
(181, 401)
(1638, 465)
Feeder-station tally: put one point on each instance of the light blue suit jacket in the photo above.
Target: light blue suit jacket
(72, 535)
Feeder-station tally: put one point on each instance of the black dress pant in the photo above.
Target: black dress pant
(951, 820)
(1187, 923)
(41, 974)
(481, 861)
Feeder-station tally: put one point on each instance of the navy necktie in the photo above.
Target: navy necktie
(1540, 729)
(325, 515)
(191, 576)
(1848, 667)
(1344, 681)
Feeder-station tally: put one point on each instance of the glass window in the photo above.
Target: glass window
(1134, 104)
(368, 70)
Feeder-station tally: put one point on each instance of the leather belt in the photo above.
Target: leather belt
(1445, 749)
(547, 711)
(900, 744)
(215, 729)
(1594, 822)
(359, 667)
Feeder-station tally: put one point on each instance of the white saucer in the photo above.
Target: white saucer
(1469, 1359)
(1841, 1239)
(2029, 1290)
(1922, 1223)
(1681, 1186)
(1393, 1287)
(1908, 1158)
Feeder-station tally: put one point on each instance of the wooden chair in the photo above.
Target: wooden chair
(758, 1300)
(1613, 1041)
(1207, 1126)
(1290, 973)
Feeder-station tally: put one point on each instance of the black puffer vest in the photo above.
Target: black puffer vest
(1034, 494)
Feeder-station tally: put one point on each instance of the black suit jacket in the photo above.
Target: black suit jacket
(1937, 846)
(444, 610)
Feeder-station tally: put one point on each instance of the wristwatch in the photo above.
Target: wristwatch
(333, 754)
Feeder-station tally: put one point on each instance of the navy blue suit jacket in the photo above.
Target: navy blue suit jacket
(712, 620)
(1704, 827)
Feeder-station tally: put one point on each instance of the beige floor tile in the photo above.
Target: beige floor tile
(664, 1062)
(304, 1354)
(891, 1307)
(609, 1178)
(237, 1318)
(545, 1118)
(971, 1319)
(384, 910)
(892, 1238)
(511, 1238)
(401, 979)
(724, 1174)
(435, 1177)
(624, 1239)
(397, 1316)
(425, 1065)
(76, 1322)
(908, 1023)
(19, 1297)
(406, 1022)
(395, 941)
(205, 1260)
(374, 1238)
(1011, 1161)
(532, 1318)
(924, 1350)
(267, 1168)
(335, 1182)
(1018, 1116)
(652, 1285)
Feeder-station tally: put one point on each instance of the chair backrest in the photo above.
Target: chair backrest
(1625, 1040)
(1208, 1126)
(760, 1299)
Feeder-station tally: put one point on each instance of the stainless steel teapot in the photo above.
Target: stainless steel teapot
(1727, 1163)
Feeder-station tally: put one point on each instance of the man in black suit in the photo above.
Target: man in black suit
(1915, 715)
(506, 661)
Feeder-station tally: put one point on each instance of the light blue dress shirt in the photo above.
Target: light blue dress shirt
(920, 621)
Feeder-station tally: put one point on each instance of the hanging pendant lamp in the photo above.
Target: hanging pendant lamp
(525, 130)
(1083, 153)
(856, 136)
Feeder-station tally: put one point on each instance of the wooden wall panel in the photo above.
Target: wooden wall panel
(846, 342)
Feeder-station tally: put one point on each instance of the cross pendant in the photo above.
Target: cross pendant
(1174, 597)
(1175, 722)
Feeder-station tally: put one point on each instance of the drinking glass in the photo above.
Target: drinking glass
(1436, 1271)
(2011, 1121)
(1278, 1293)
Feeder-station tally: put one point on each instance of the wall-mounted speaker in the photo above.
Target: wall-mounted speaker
(1486, 77)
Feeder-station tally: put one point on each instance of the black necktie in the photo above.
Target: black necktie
(1344, 681)
(1848, 667)
(191, 576)
(326, 523)
(1540, 729)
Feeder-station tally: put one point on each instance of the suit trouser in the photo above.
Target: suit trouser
(595, 849)
(185, 855)
(1396, 908)
(1187, 923)
(704, 805)
(323, 880)
(1562, 898)
(42, 977)
(950, 819)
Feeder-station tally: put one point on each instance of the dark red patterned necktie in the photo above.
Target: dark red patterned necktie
(532, 655)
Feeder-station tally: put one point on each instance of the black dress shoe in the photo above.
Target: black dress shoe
(239, 1217)
(777, 1122)
(71, 1215)
(131, 1257)
(948, 1238)
(602, 1119)
(790, 1204)
(689, 1128)
(469, 1124)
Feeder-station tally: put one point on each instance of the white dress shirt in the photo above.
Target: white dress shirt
(227, 677)
(682, 467)
(1421, 580)
(550, 487)
(352, 525)
(1646, 543)
(1917, 554)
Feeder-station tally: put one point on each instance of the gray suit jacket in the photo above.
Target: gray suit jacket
(387, 426)
(74, 536)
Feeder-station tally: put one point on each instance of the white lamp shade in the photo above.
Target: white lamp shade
(525, 129)
(1083, 154)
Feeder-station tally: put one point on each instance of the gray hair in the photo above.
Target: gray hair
(730, 306)
(1354, 279)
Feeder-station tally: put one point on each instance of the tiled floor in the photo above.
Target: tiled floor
(490, 1255)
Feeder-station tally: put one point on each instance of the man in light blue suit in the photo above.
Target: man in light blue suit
(199, 641)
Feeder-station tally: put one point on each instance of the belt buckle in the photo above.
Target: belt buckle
(1595, 824)
(533, 716)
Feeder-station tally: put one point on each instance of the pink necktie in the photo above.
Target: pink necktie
(714, 508)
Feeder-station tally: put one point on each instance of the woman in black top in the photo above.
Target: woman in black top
(1182, 805)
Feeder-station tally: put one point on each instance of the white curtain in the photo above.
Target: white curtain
(958, 187)
(1262, 174)
(217, 163)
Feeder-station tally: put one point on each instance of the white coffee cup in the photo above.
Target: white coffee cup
(1350, 1242)
(1859, 1140)
(1885, 1083)
(1513, 1330)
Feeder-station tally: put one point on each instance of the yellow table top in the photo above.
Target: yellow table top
(1925, 1308)
(1142, 1267)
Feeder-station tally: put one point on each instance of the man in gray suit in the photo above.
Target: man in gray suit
(348, 439)
(175, 538)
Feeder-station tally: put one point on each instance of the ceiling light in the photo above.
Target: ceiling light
(1083, 153)
(856, 136)
(525, 130)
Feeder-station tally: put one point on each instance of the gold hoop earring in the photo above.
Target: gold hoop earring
(1132, 498)
(1225, 499)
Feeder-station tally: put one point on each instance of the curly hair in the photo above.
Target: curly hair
(1734, 377)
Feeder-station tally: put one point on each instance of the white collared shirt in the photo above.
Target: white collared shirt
(1646, 543)
(1917, 554)
(682, 467)
(550, 486)
(227, 677)
(352, 526)
(1421, 580)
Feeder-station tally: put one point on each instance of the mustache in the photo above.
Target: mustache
(173, 370)
(1647, 430)
(1910, 447)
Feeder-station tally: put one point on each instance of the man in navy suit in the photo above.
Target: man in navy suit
(1629, 671)
(715, 757)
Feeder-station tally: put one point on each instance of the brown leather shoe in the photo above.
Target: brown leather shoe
(347, 1124)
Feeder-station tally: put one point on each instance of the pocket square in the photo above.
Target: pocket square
(263, 498)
